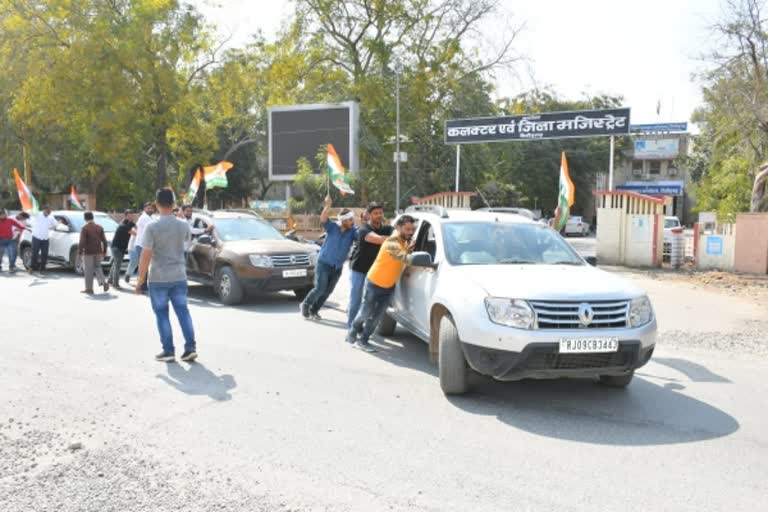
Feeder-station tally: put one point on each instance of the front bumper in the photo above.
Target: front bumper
(272, 280)
(543, 361)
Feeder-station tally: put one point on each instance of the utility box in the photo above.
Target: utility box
(630, 229)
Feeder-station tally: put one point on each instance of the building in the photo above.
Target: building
(653, 167)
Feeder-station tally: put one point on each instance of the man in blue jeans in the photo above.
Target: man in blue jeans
(330, 261)
(163, 257)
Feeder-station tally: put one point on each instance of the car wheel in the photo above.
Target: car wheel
(26, 256)
(616, 381)
(452, 366)
(228, 287)
(76, 261)
(301, 293)
(387, 325)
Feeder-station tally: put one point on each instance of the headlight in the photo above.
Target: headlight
(510, 312)
(640, 311)
(260, 260)
(313, 258)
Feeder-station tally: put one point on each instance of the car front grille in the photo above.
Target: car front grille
(565, 315)
(554, 361)
(290, 260)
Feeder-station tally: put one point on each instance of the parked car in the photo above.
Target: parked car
(670, 223)
(245, 253)
(508, 298)
(576, 226)
(63, 241)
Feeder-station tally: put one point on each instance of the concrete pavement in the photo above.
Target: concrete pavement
(280, 414)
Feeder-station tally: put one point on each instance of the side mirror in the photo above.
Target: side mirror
(421, 259)
(206, 239)
(592, 260)
(62, 228)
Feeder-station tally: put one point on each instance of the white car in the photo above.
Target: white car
(63, 241)
(507, 297)
(670, 223)
(576, 226)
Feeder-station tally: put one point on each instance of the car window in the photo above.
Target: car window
(575, 219)
(246, 228)
(671, 223)
(425, 239)
(496, 243)
(105, 221)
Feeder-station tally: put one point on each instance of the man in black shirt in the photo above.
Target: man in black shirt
(120, 246)
(369, 239)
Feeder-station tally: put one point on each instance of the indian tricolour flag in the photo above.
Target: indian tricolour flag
(73, 199)
(216, 175)
(565, 196)
(194, 185)
(336, 172)
(28, 201)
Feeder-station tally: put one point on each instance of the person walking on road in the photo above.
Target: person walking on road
(8, 243)
(41, 227)
(144, 220)
(381, 281)
(330, 261)
(119, 247)
(23, 219)
(369, 239)
(162, 266)
(92, 247)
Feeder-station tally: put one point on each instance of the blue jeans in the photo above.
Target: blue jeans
(356, 286)
(133, 262)
(176, 292)
(10, 246)
(375, 302)
(326, 277)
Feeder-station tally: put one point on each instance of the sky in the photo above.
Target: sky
(645, 51)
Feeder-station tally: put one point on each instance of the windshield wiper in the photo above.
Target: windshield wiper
(513, 261)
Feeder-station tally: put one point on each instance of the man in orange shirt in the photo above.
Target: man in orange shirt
(381, 281)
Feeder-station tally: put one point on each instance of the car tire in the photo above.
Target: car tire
(228, 287)
(616, 381)
(301, 293)
(76, 261)
(387, 325)
(452, 367)
(26, 256)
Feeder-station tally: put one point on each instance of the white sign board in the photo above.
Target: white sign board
(656, 149)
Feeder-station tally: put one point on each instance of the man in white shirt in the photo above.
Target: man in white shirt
(42, 224)
(196, 231)
(135, 253)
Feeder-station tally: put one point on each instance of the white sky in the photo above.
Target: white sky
(644, 50)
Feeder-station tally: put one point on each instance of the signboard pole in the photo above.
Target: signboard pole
(397, 141)
(610, 164)
(458, 165)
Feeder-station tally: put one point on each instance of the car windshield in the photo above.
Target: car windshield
(499, 243)
(243, 228)
(671, 223)
(105, 221)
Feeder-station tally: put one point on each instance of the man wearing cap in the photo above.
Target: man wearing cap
(330, 261)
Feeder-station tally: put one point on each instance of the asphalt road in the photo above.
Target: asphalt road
(280, 414)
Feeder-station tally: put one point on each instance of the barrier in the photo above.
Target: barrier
(716, 247)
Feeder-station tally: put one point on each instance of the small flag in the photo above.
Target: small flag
(73, 199)
(194, 186)
(28, 201)
(216, 175)
(565, 196)
(336, 172)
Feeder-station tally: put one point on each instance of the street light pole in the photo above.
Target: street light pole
(398, 70)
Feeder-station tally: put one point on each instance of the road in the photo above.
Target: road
(586, 246)
(280, 414)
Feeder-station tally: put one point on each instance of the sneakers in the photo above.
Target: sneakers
(106, 286)
(316, 317)
(351, 338)
(189, 356)
(165, 357)
(127, 279)
(87, 292)
(364, 346)
(304, 308)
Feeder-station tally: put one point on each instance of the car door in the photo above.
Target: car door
(202, 255)
(60, 243)
(418, 283)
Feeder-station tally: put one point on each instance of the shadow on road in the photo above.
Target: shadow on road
(199, 380)
(578, 409)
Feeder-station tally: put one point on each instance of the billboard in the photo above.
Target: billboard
(549, 125)
(654, 188)
(659, 127)
(299, 131)
(656, 149)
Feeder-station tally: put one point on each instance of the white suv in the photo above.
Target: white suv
(507, 297)
(63, 241)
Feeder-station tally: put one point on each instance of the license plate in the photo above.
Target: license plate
(588, 345)
(300, 272)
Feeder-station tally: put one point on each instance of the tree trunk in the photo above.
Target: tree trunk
(162, 158)
(759, 189)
